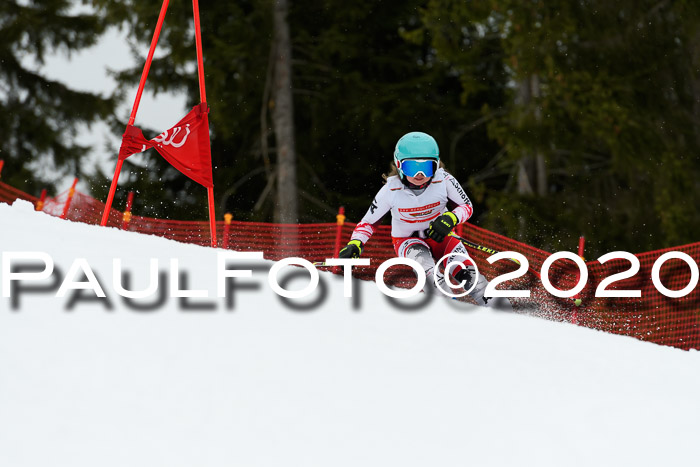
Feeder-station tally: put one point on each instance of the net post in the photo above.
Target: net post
(228, 217)
(340, 220)
(42, 199)
(581, 243)
(126, 217)
(71, 193)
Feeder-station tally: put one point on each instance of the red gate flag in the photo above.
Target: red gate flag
(185, 146)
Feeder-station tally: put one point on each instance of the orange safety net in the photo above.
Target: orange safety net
(9, 194)
(652, 317)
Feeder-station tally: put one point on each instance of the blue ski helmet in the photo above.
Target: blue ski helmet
(416, 145)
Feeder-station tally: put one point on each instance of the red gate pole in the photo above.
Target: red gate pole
(203, 100)
(200, 58)
(42, 199)
(134, 109)
(126, 217)
(340, 220)
(228, 217)
(112, 190)
(71, 192)
(2, 163)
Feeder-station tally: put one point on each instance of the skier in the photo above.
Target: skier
(419, 192)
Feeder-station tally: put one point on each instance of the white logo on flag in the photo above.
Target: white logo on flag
(169, 140)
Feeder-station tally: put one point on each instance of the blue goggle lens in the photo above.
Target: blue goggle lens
(412, 167)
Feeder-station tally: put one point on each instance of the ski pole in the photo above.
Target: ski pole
(488, 250)
(491, 251)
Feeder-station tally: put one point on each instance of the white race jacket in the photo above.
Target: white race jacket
(412, 213)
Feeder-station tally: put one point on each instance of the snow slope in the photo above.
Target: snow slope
(337, 384)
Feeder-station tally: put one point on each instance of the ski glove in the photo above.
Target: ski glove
(441, 227)
(352, 250)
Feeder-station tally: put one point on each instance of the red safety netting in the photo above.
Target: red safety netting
(9, 194)
(652, 317)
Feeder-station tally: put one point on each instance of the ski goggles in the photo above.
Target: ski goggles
(412, 167)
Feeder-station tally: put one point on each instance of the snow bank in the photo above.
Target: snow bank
(341, 383)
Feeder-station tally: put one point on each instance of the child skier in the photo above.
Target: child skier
(419, 196)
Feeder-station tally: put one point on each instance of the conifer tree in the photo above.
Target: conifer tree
(358, 85)
(39, 116)
(597, 131)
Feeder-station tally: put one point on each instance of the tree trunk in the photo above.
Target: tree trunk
(532, 170)
(694, 50)
(287, 205)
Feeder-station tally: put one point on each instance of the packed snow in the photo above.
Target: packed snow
(324, 381)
